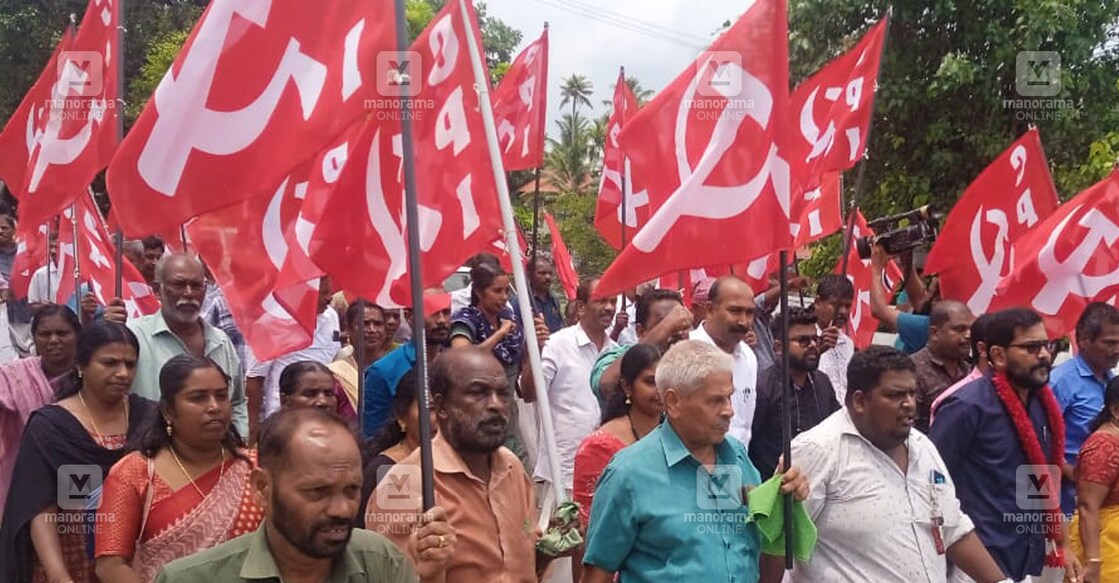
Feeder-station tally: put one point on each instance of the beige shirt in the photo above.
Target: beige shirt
(494, 522)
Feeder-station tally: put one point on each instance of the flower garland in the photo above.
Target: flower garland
(1032, 447)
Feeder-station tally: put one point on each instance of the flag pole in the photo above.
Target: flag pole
(415, 269)
(849, 233)
(77, 262)
(786, 399)
(625, 184)
(535, 219)
(359, 360)
(523, 297)
(118, 284)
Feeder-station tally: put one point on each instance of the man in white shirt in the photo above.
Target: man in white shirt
(567, 360)
(834, 297)
(730, 317)
(262, 386)
(880, 494)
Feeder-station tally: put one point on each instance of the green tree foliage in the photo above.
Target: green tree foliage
(947, 102)
(29, 32)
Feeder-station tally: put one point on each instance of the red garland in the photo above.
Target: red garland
(1032, 447)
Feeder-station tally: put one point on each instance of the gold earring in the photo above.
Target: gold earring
(629, 400)
(403, 429)
(169, 430)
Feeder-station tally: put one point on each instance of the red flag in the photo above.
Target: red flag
(1068, 259)
(31, 254)
(259, 88)
(500, 249)
(360, 239)
(862, 324)
(520, 105)
(833, 110)
(565, 267)
(245, 249)
(77, 133)
(24, 130)
(972, 252)
(312, 185)
(616, 175)
(819, 211)
(98, 265)
(706, 148)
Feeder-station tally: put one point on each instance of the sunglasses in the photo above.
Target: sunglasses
(806, 340)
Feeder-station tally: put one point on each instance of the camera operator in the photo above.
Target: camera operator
(912, 329)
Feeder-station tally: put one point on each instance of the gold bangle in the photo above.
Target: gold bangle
(1095, 560)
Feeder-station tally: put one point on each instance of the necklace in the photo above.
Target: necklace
(633, 427)
(93, 424)
(221, 470)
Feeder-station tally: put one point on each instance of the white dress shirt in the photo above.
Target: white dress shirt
(323, 349)
(628, 335)
(567, 360)
(833, 363)
(745, 399)
(874, 519)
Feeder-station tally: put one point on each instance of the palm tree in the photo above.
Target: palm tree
(576, 90)
(569, 158)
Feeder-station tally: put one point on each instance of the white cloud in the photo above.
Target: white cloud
(590, 47)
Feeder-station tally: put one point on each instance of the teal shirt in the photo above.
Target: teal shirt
(659, 516)
(158, 345)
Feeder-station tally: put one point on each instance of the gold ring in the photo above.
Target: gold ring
(442, 541)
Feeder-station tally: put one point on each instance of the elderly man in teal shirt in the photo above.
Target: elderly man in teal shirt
(671, 506)
(178, 328)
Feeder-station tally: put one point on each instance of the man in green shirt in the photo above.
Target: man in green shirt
(309, 482)
(178, 328)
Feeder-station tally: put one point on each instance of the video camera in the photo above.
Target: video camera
(922, 227)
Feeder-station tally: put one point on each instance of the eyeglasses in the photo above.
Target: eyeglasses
(806, 340)
(1034, 348)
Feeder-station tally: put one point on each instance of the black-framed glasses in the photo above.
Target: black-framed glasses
(805, 340)
(1034, 348)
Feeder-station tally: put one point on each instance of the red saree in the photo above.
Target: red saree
(178, 523)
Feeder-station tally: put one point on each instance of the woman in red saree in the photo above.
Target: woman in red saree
(1094, 533)
(187, 489)
(629, 415)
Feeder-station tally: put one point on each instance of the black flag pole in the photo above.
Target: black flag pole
(359, 361)
(849, 233)
(786, 399)
(118, 236)
(536, 217)
(415, 270)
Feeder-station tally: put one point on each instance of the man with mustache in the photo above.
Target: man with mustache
(834, 297)
(813, 395)
(730, 317)
(1080, 383)
(671, 507)
(382, 377)
(482, 484)
(881, 496)
(662, 320)
(1002, 439)
(945, 359)
(567, 360)
(178, 328)
(308, 483)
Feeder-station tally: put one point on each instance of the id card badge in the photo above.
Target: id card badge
(937, 486)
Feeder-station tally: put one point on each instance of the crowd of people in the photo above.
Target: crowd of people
(160, 449)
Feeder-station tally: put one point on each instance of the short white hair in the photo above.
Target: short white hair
(687, 365)
(161, 265)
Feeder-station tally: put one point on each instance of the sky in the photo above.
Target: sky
(581, 42)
